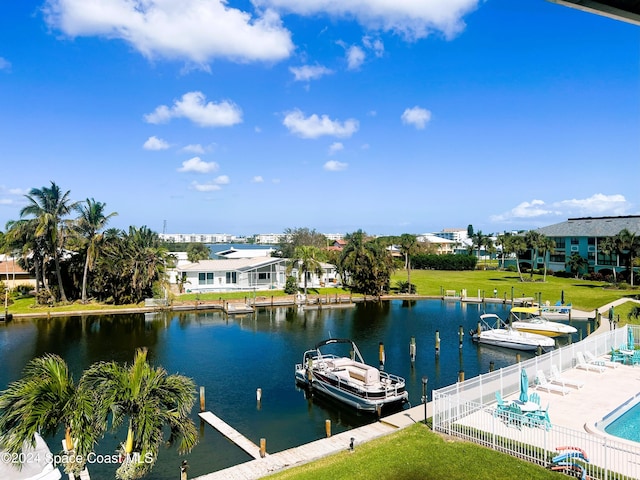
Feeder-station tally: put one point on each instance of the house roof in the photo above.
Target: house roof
(245, 252)
(593, 227)
(239, 264)
(430, 238)
(9, 264)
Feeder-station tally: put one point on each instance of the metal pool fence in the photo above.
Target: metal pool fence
(468, 410)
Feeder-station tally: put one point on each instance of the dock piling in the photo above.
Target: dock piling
(202, 398)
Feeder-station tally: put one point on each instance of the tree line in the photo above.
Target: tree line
(78, 257)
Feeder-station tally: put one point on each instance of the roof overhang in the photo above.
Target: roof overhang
(625, 10)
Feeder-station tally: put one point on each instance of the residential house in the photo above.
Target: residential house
(240, 274)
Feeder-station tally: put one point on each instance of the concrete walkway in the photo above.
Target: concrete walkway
(309, 452)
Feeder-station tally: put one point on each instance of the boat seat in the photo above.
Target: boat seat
(365, 375)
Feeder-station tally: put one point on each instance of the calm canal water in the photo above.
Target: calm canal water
(233, 356)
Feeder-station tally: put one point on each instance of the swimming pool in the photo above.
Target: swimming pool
(624, 421)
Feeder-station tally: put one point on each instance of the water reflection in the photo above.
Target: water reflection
(234, 356)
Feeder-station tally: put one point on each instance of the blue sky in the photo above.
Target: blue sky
(248, 117)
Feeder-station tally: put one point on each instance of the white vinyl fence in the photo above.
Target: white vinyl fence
(468, 410)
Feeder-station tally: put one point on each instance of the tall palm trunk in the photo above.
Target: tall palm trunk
(85, 275)
(56, 261)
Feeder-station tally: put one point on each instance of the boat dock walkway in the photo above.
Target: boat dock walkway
(261, 467)
(232, 434)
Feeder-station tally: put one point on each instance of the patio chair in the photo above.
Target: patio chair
(556, 378)
(591, 358)
(616, 356)
(635, 358)
(542, 383)
(535, 398)
(501, 408)
(584, 365)
(540, 418)
(514, 416)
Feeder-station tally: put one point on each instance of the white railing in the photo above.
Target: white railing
(466, 410)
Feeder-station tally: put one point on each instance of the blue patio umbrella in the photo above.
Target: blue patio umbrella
(630, 340)
(524, 386)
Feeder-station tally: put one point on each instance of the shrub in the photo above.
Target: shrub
(291, 285)
(406, 287)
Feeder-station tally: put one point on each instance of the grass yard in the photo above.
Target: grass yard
(418, 453)
(582, 294)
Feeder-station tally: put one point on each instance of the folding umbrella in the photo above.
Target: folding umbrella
(524, 386)
(630, 340)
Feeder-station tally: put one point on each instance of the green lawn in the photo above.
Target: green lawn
(582, 294)
(417, 453)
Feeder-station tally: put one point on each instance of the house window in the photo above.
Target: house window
(231, 277)
(591, 241)
(560, 242)
(205, 278)
(264, 275)
(575, 241)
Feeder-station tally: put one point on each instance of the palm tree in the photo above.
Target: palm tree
(533, 240)
(607, 247)
(517, 246)
(149, 400)
(408, 246)
(502, 241)
(131, 265)
(91, 221)
(546, 246)
(21, 235)
(479, 240)
(628, 245)
(577, 263)
(43, 400)
(49, 206)
(307, 260)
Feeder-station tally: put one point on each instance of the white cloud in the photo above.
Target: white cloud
(197, 165)
(355, 57)
(257, 179)
(374, 44)
(335, 147)
(5, 64)
(193, 107)
(194, 148)
(335, 166)
(315, 126)
(211, 186)
(412, 19)
(155, 143)
(416, 116)
(596, 205)
(196, 31)
(309, 72)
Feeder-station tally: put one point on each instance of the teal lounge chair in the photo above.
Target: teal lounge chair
(616, 356)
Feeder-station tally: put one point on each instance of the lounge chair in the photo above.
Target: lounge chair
(542, 383)
(535, 398)
(556, 378)
(591, 358)
(584, 365)
(540, 418)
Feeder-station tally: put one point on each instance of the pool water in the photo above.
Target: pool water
(627, 425)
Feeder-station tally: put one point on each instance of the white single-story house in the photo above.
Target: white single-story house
(248, 274)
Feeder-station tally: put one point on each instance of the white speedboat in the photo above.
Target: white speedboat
(527, 319)
(503, 336)
(349, 379)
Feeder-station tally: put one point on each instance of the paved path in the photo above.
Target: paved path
(309, 452)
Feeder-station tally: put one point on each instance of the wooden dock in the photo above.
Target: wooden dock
(231, 433)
